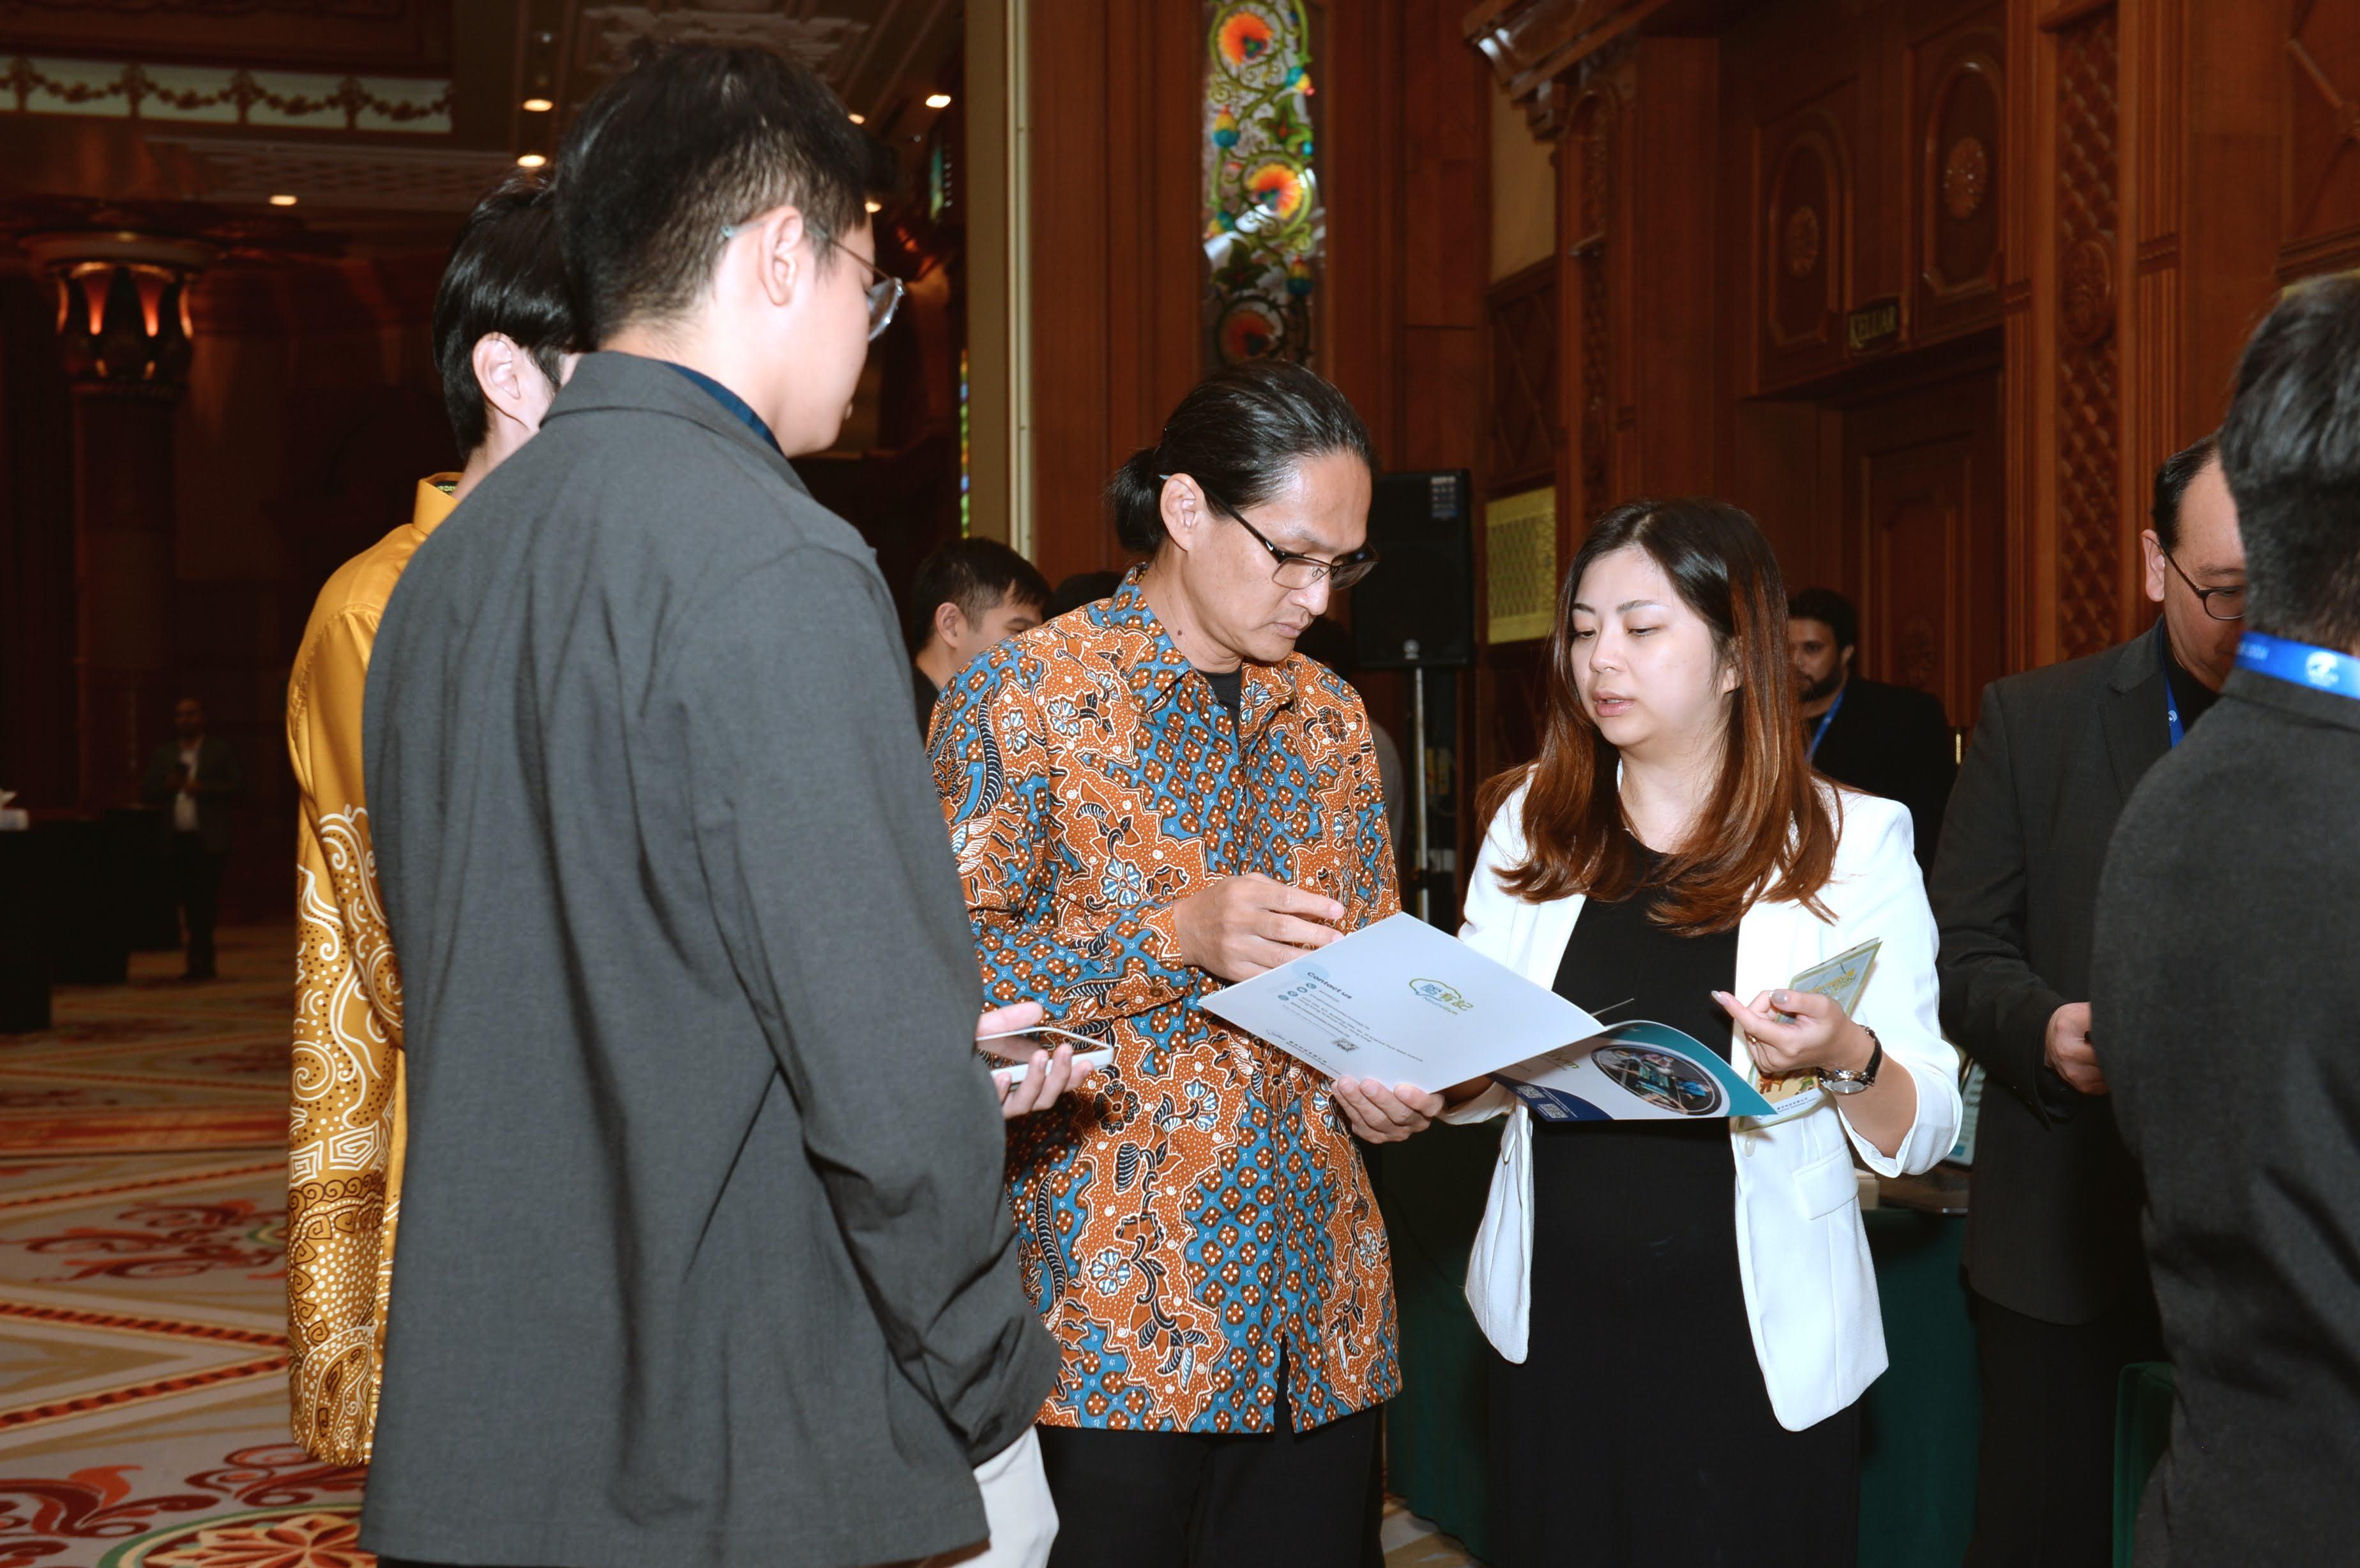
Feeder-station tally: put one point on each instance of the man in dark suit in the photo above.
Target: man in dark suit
(2226, 984)
(1885, 740)
(197, 780)
(2052, 1255)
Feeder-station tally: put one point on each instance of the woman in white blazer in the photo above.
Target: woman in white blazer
(1685, 1312)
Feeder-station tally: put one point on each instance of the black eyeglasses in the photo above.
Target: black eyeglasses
(884, 293)
(2221, 603)
(1296, 569)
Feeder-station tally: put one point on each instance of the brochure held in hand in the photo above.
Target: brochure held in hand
(1401, 1002)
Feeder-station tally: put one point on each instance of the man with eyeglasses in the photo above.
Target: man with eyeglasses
(2062, 1294)
(1149, 798)
(703, 1259)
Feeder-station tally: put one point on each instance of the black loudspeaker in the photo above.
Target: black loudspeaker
(1418, 607)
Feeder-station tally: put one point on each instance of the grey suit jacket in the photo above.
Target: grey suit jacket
(2052, 1230)
(2226, 998)
(703, 1255)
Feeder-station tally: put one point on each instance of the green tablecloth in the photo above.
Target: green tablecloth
(1920, 1421)
(1918, 1469)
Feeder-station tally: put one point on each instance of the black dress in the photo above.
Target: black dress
(1638, 1430)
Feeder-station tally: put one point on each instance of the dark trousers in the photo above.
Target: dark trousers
(2044, 1478)
(1160, 1499)
(196, 884)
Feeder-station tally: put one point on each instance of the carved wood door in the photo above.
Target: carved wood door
(1928, 546)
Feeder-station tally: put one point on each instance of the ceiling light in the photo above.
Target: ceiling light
(938, 100)
(857, 119)
(538, 106)
(874, 205)
(283, 200)
(531, 160)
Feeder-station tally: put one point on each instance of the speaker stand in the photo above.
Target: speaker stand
(1417, 810)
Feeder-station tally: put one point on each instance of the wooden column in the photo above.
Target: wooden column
(127, 350)
(1116, 131)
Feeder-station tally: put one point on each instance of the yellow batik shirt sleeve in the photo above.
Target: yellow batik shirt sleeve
(344, 1129)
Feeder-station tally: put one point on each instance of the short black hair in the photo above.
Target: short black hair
(1237, 434)
(975, 574)
(2290, 449)
(505, 276)
(667, 155)
(1825, 604)
(2171, 482)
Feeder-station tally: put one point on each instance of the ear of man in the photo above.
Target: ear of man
(502, 370)
(773, 247)
(2151, 564)
(950, 623)
(1186, 511)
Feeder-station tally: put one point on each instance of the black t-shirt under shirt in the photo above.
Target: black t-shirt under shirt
(1228, 686)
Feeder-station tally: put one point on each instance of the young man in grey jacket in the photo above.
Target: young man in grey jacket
(703, 1255)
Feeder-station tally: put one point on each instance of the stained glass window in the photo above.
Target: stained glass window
(1265, 231)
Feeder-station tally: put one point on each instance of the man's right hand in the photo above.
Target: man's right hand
(1240, 926)
(2071, 1055)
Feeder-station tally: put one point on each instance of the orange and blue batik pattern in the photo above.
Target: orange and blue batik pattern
(1200, 1227)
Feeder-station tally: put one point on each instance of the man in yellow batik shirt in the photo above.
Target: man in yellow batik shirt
(503, 337)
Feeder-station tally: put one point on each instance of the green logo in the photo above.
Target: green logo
(1446, 998)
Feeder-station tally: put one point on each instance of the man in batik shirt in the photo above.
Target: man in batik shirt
(1147, 798)
(502, 335)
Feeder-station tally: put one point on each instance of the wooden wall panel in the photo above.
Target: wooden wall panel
(2088, 397)
(1522, 404)
(1669, 334)
(1957, 113)
(1117, 271)
(1804, 251)
(2320, 149)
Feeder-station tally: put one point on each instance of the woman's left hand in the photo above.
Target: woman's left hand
(1380, 1115)
(1821, 1035)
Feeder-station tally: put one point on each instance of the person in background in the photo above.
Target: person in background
(1149, 796)
(1082, 588)
(1331, 645)
(2060, 1291)
(969, 594)
(197, 779)
(1672, 857)
(503, 345)
(1891, 741)
(2224, 987)
(701, 1244)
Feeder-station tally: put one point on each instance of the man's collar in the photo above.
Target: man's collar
(739, 410)
(433, 502)
(2135, 662)
(1152, 664)
(609, 381)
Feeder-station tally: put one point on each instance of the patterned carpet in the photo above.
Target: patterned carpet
(143, 1207)
(143, 1401)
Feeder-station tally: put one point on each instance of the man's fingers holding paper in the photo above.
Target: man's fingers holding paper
(1379, 1114)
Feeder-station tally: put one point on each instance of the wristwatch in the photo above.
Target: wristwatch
(1848, 1081)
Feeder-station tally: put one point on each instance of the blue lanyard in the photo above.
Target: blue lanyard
(2170, 697)
(1820, 732)
(2320, 669)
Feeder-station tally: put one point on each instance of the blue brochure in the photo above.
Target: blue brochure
(1633, 1071)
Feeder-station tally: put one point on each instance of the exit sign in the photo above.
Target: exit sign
(1874, 325)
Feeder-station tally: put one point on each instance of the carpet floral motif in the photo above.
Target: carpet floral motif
(42, 1520)
(171, 1241)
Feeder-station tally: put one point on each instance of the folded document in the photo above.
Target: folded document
(1401, 1002)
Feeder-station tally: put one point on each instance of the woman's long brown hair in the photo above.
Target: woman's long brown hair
(1766, 832)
